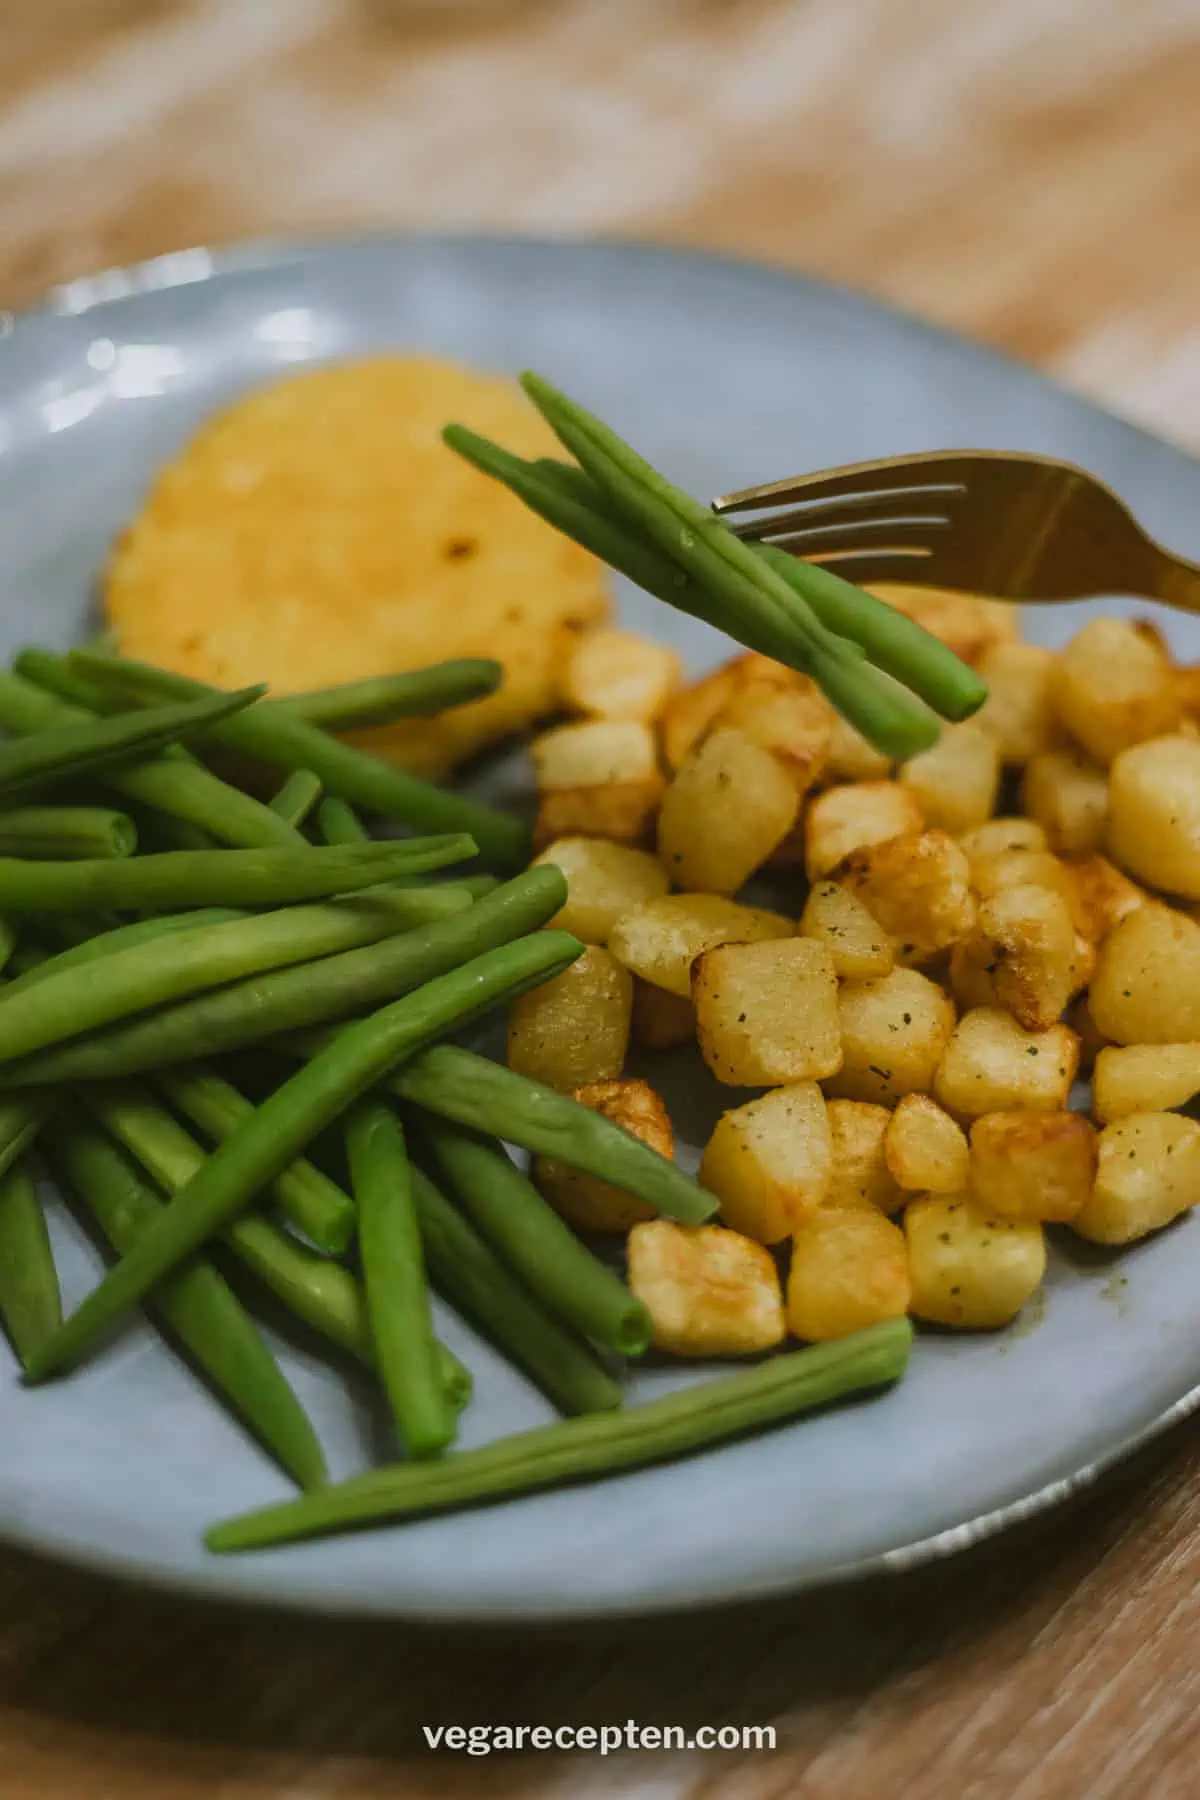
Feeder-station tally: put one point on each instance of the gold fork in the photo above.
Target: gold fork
(986, 521)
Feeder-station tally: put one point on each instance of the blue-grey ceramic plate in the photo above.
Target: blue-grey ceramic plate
(724, 374)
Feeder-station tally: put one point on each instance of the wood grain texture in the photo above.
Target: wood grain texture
(1028, 173)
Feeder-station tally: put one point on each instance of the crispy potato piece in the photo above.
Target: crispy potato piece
(614, 674)
(1148, 1173)
(691, 712)
(794, 722)
(997, 837)
(837, 918)
(1069, 796)
(661, 939)
(767, 1012)
(1024, 944)
(1106, 895)
(1154, 814)
(849, 757)
(970, 978)
(1144, 1078)
(1018, 713)
(731, 803)
(584, 1200)
(969, 1268)
(1114, 686)
(604, 881)
(861, 1177)
(624, 811)
(661, 1020)
(956, 781)
(769, 1162)
(1091, 1042)
(1187, 683)
(1146, 989)
(844, 819)
(918, 888)
(969, 623)
(1036, 868)
(575, 1028)
(925, 1149)
(599, 778)
(1032, 1166)
(894, 1032)
(992, 1065)
(848, 1270)
(709, 1291)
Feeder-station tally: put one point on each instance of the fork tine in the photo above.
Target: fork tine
(915, 506)
(884, 475)
(903, 567)
(870, 537)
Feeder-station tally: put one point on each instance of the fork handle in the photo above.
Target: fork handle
(1177, 581)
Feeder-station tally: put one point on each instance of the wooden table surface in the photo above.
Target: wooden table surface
(1029, 173)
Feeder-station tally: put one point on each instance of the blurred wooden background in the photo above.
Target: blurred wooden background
(1027, 172)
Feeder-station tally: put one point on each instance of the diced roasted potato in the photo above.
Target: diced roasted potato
(1148, 1173)
(1187, 681)
(918, 888)
(957, 780)
(730, 804)
(1017, 712)
(691, 712)
(1146, 989)
(1114, 686)
(997, 837)
(1139, 1078)
(861, 950)
(894, 1032)
(661, 1020)
(709, 1291)
(1032, 1166)
(861, 1177)
(794, 722)
(1069, 796)
(849, 1269)
(615, 674)
(604, 881)
(1035, 868)
(769, 1162)
(598, 779)
(969, 1268)
(844, 819)
(969, 623)
(661, 939)
(849, 757)
(574, 1029)
(767, 1012)
(926, 1150)
(1106, 895)
(584, 1200)
(1024, 945)
(1091, 1042)
(1154, 814)
(992, 1065)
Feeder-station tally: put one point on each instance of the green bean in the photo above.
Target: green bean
(182, 878)
(87, 949)
(21, 1118)
(526, 1233)
(49, 833)
(297, 797)
(8, 941)
(196, 1303)
(67, 751)
(30, 1303)
(314, 1203)
(381, 699)
(672, 1425)
(393, 1265)
(174, 786)
(285, 1000)
(295, 1113)
(338, 823)
(466, 1270)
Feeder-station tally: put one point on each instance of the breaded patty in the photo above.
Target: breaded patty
(318, 530)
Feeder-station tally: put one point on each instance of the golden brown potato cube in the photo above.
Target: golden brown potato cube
(970, 978)
(848, 1270)
(623, 811)
(585, 1201)
(767, 1013)
(690, 713)
(844, 819)
(1187, 683)
(1018, 713)
(894, 1032)
(1030, 868)
(615, 674)
(1024, 941)
(861, 1177)
(969, 623)
(597, 779)
(661, 939)
(1069, 796)
(1091, 1042)
(730, 804)
(849, 757)
(1139, 1078)
(1107, 896)
(918, 888)
(861, 950)
(1114, 686)
(969, 1268)
(1146, 989)
(604, 881)
(661, 1020)
(1154, 814)
(1032, 1166)
(955, 783)
(926, 1150)
(708, 1290)
(997, 837)
(1148, 1173)
(992, 1065)
(575, 1028)
(794, 722)
(769, 1162)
